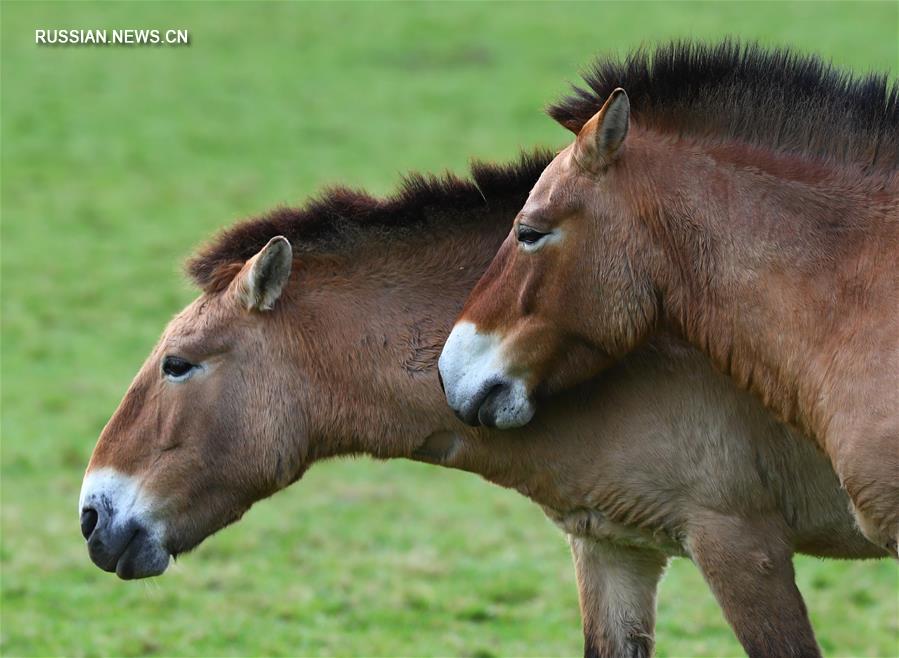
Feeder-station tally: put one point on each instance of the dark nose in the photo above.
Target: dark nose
(89, 518)
(480, 410)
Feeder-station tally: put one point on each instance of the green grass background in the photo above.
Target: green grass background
(116, 161)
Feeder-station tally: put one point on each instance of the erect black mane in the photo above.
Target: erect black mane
(773, 98)
(330, 220)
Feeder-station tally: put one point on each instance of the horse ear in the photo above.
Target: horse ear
(264, 276)
(601, 137)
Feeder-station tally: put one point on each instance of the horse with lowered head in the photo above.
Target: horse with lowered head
(744, 200)
(316, 335)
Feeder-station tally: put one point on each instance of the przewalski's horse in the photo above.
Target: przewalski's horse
(745, 200)
(328, 347)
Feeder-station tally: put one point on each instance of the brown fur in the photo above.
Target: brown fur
(635, 468)
(779, 263)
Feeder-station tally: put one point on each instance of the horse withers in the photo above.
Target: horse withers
(742, 199)
(324, 342)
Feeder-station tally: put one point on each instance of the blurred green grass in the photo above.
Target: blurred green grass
(116, 162)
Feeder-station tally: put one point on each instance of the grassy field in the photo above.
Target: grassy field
(117, 161)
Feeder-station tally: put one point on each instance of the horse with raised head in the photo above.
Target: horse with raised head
(744, 200)
(317, 334)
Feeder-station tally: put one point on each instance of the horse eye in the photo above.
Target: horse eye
(175, 367)
(528, 235)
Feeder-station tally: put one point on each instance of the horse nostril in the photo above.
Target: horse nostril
(486, 409)
(440, 379)
(89, 518)
(496, 388)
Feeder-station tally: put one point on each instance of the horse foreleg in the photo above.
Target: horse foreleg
(617, 589)
(748, 566)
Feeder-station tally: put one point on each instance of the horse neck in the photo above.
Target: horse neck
(750, 277)
(375, 328)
